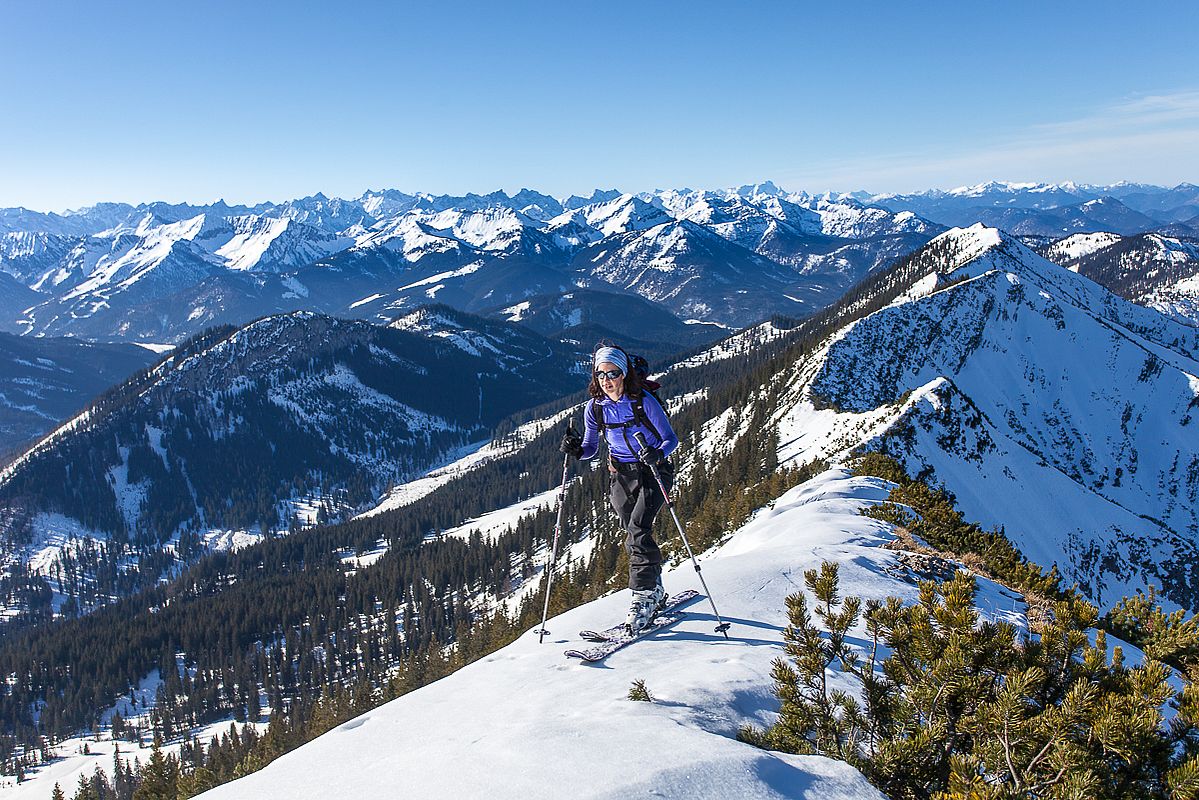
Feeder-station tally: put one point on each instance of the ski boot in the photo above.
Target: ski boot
(646, 603)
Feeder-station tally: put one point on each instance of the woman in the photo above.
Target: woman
(621, 408)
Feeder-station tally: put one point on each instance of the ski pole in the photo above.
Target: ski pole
(722, 626)
(549, 568)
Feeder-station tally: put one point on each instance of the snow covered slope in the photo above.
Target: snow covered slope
(527, 723)
(276, 244)
(591, 222)
(1049, 406)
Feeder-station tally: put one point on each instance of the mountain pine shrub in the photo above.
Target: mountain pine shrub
(942, 704)
(1171, 638)
(930, 514)
(639, 692)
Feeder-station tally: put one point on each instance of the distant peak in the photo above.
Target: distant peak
(765, 188)
(971, 242)
(994, 186)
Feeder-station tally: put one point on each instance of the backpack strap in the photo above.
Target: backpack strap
(639, 417)
(597, 416)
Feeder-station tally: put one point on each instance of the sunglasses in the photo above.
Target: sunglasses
(611, 374)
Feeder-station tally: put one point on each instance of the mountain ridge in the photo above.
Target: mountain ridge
(114, 277)
(967, 402)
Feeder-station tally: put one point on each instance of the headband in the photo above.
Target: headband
(613, 355)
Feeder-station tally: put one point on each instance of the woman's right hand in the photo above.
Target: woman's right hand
(572, 443)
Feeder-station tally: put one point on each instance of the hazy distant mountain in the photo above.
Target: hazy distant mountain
(1053, 209)
(1176, 205)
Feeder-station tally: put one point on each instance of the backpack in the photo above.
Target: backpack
(641, 366)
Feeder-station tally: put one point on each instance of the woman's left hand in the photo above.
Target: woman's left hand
(650, 456)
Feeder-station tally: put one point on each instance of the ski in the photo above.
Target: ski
(617, 636)
(603, 649)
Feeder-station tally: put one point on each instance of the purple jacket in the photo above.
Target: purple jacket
(621, 444)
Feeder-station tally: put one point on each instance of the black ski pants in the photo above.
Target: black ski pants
(637, 498)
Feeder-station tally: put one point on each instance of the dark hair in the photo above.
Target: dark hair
(632, 380)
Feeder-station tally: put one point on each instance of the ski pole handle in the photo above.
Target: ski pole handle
(640, 437)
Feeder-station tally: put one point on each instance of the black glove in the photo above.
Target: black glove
(650, 456)
(572, 443)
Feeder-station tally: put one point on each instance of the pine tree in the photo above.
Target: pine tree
(199, 780)
(85, 790)
(159, 777)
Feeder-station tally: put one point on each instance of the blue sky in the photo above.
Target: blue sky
(250, 101)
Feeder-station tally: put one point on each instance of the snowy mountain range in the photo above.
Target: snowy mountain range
(162, 272)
